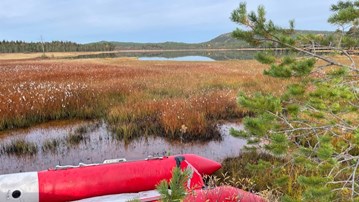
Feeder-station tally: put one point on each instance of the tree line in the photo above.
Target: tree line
(54, 46)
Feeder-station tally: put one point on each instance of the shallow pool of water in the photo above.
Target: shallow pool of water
(100, 145)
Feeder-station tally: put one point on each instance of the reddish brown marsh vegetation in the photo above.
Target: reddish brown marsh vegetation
(136, 97)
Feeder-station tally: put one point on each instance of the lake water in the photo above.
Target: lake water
(99, 145)
(184, 58)
(217, 55)
(182, 55)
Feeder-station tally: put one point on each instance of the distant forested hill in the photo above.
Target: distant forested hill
(226, 41)
(223, 41)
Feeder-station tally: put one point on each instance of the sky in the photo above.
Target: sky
(188, 21)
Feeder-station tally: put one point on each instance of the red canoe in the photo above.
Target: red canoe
(218, 194)
(68, 183)
(223, 193)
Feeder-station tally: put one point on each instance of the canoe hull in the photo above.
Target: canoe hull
(220, 194)
(70, 184)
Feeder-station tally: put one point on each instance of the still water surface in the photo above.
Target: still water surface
(177, 55)
(101, 145)
(184, 58)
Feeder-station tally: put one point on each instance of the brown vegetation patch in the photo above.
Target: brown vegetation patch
(154, 97)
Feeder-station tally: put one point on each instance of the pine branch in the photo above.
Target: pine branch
(328, 60)
(312, 122)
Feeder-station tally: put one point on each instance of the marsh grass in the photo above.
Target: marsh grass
(136, 98)
(88, 128)
(81, 134)
(16, 56)
(51, 145)
(76, 138)
(261, 169)
(40, 102)
(167, 117)
(258, 168)
(221, 178)
(238, 168)
(20, 147)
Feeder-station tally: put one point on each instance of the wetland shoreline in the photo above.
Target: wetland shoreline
(99, 144)
(145, 103)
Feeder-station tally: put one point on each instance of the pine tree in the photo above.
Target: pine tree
(312, 130)
(177, 186)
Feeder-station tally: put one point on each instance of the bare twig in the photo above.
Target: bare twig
(353, 179)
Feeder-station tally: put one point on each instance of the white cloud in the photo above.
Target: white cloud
(136, 20)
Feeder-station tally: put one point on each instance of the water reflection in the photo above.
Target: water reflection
(100, 145)
(185, 55)
(184, 58)
(165, 55)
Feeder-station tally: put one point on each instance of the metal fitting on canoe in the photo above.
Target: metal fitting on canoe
(154, 158)
(58, 167)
